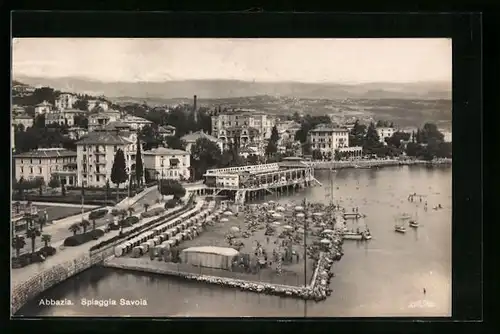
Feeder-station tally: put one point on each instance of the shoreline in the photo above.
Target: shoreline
(363, 164)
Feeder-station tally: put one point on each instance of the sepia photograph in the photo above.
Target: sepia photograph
(231, 177)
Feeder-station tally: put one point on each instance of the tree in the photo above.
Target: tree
(107, 188)
(204, 154)
(139, 169)
(118, 171)
(81, 121)
(396, 139)
(130, 210)
(371, 140)
(54, 182)
(75, 228)
(46, 239)
(18, 243)
(149, 135)
(39, 121)
(316, 154)
(176, 143)
(146, 206)
(84, 224)
(271, 148)
(337, 155)
(274, 135)
(39, 183)
(32, 233)
(430, 132)
(357, 134)
(41, 222)
(172, 187)
(81, 105)
(63, 190)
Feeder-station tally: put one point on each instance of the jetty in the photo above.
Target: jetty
(244, 183)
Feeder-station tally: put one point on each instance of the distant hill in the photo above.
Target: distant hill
(216, 89)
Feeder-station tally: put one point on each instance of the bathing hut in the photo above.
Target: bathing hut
(118, 250)
(137, 251)
(211, 257)
(280, 208)
(276, 216)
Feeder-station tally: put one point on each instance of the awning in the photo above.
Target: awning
(174, 161)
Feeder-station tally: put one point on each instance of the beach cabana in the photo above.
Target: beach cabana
(118, 250)
(234, 229)
(276, 216)
(318, 214)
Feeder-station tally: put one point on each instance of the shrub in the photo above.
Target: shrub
(153, 212)
(98, 214)
(115, 212)
(79, 239)
(171, 203)
(48, 251)
(113, 226)
(132, 220)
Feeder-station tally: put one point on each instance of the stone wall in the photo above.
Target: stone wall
(28, 290)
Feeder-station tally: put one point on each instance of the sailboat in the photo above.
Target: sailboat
(400, 228)
(414, 221)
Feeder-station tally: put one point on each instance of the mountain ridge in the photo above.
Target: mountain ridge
(226, 88)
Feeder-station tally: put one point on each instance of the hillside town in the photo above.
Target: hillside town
(75, 138)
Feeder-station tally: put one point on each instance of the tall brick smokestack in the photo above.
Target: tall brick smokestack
(194, 109)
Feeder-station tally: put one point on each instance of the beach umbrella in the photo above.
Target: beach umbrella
(322, 224)
(299, 208)
(328, 231)
(223, 220)
(309, 220)
(271, 211)
(300, 230)
(325, 241)
(228, 213)
(280, 208)
(271, 202)
(300, 215)
(318, 214)
(288, 227)
(276, 216)
(277, 223)
(235, 229)
(265, 204)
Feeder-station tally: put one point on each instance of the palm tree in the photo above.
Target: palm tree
(146, 207)
(123, 214)
(84, 224)
(75, 228)
(41, 221)
(17, 206)
(46, 239)
(18, 243)
(130, 210)
(32, 233)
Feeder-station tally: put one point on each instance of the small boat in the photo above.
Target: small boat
(366, 235)
(414, 224)
(400, 229)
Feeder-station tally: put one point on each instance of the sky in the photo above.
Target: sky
(261, 60)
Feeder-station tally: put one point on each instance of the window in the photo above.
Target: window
(40, 170)
(22, 169)
(31, 170)
(31, 161)
(97, 178)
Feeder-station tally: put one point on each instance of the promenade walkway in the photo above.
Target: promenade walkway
(59, 230)
(66, 254)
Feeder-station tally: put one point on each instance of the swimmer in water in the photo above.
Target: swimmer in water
(425, 291)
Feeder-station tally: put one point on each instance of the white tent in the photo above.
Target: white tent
(299, 208)
(277, 216)
(235, 229)
(212, 257)
(277, 223)
(280, 208)
(228, 213)
(318, 214)
(325, 241)
(300, 215)
(224, 220)
(271, 211)
(288, 227)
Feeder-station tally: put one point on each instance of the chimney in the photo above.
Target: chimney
(195, 113)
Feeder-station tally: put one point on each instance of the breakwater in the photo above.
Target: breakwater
(377, 163)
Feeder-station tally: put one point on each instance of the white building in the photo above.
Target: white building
(385, 132)
(75, 133)
(63, 117)
(166, 163)
(66, 101)
(327, 139)
(258, 125)
(44, 162)
(191, 138)
(100, 120)
(135, 123)
(43, 108)
(231, 177)
(25, 120)
(96, 103)
(18, 110)
(96, 153)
